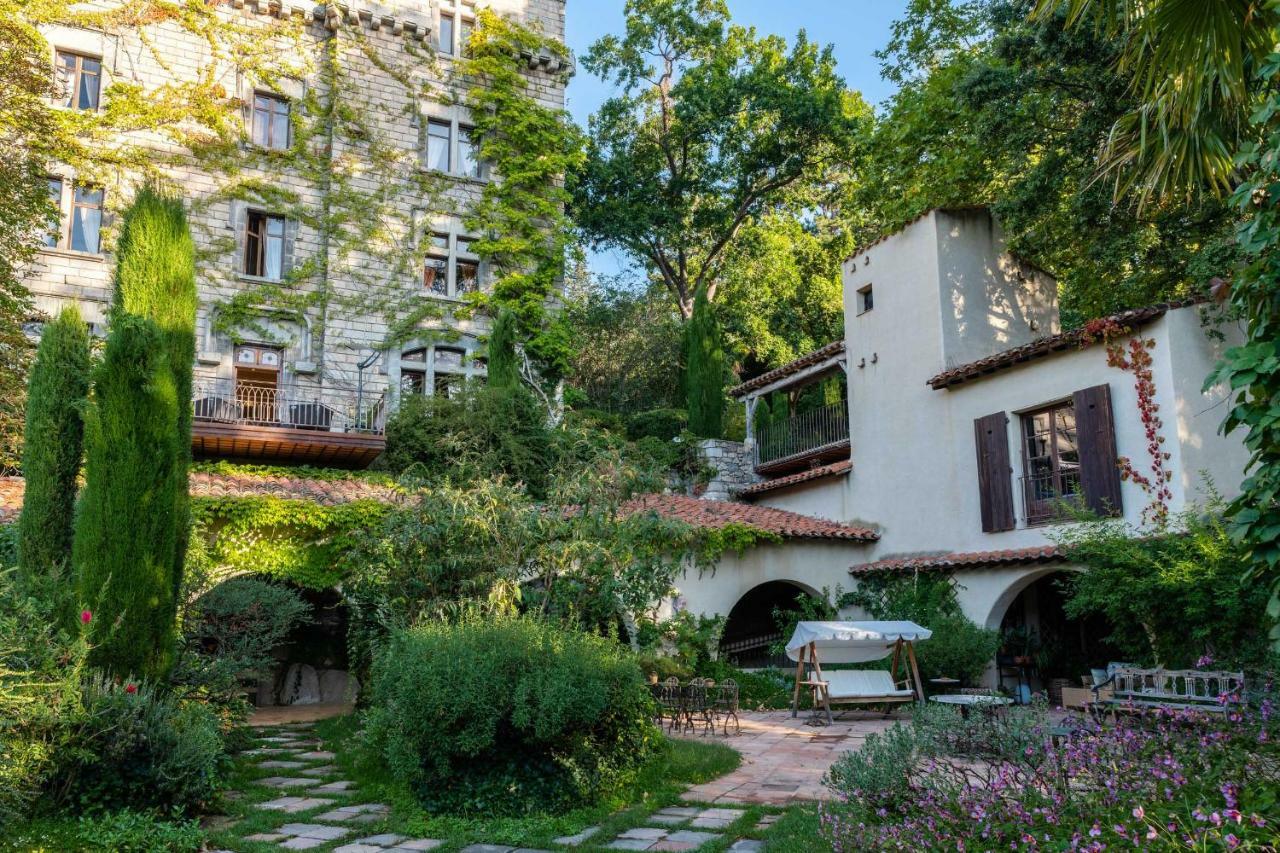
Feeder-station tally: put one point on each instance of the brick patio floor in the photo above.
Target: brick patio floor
(783, 759)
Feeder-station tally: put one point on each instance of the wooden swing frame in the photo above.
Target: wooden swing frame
(821, 687)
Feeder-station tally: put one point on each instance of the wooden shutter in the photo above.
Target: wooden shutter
(995, 486)
(1096, 440)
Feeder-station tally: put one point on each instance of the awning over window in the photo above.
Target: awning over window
(853, 642)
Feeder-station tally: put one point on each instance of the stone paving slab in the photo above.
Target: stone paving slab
(317, 755)
(293, 805)
(277, 764)
(322, 770)
(746, 845)
(578, 838)
(389, 842)
(487, 848)
(342, 786)
(653, 838)
(362, 813)
(284, 782)
(784, 759)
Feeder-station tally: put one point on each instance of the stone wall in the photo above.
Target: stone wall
(733, 469)
(355, 269)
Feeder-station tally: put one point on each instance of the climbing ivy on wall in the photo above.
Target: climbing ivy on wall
(346, 178)
(296, 540)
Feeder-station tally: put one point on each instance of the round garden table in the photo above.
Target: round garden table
(965, 701)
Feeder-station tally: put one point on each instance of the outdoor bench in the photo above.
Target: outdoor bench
(1171, 689)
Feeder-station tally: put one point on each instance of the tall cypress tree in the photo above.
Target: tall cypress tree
(503, 372)
(131, 529)
(53, 443)
(704, 370)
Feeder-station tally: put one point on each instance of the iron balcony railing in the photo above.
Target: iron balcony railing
(286, 406)
(802, 434)
(1044, 494)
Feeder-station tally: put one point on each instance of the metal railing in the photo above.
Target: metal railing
(286, 406)
(803, 433)
(1043, 495)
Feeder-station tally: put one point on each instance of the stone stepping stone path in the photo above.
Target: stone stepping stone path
(362, 813)
(293, 805)
(499, 848)
(317, 755)
(655, 838)
(323, 770)
(579, 838)
(696, 818)
(746, 845)
(388, 842)
(285, 782)
(301, 836)
(277, 764)
(342, 786)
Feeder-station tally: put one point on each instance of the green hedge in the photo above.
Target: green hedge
(508, 717)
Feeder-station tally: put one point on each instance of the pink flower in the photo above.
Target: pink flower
(131, 688)
(85, 617)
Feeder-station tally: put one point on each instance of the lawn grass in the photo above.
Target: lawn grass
(659, 783)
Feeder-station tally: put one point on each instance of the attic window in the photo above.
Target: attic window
(865, 302)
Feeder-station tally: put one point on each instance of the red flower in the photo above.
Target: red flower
(131, 688)
(85, 617)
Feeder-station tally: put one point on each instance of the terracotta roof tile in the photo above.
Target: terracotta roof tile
(844, 466)
(222, 485)
(1050, 344)
(970, 560)
(790, 369)
(713, 514)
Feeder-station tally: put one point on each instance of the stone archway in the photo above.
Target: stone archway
(750, 628)
(311, 664)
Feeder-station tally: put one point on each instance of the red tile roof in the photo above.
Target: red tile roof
(1076, 338)
(713, 514)
(790, 369)
(328, 492)
(971, 560)
(224, 485)
(844, 466)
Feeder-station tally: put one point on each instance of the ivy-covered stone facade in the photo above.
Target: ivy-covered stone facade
(322, 152)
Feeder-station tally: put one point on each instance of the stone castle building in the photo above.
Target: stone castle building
(327, 202)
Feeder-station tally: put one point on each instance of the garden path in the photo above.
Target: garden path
(783, 759)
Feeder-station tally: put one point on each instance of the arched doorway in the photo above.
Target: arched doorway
(311, 664)
(752, 627)
(1042, 648)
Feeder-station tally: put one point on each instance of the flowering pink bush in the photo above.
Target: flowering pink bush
(1159, 780)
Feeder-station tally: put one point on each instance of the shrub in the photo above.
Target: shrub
(229, 633)
(138, 747)
(663, 424)
(509, 716)
(53, 442)
(482, 433)
(121, 832)
(502, 369)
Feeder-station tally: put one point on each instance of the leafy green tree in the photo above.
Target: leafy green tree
(54, 441)
(133, 520)
(713, 126)
(503, 371)
(1206, 80)
(998, 110)
(704, 370)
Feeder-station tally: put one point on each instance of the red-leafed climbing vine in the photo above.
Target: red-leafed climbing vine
(1131, 353)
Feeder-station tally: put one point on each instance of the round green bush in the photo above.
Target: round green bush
(663, 424)
(508, 717)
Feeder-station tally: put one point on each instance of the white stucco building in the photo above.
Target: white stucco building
(966, 417)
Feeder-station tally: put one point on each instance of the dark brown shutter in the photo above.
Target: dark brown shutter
(1096, 440)
(995, 488)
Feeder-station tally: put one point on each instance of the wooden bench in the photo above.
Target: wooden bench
(1174, 689)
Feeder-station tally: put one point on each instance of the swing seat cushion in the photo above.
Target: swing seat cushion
(863, 685)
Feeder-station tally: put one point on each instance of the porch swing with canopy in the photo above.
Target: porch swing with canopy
(814, 643)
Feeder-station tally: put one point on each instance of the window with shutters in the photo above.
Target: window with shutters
(995, 475)
(1050, 461)
(264, 245)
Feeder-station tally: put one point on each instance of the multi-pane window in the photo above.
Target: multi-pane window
(1051, 460)
(468, 156)
(54, 235)
(82, 232)
(444, 38)
(435, 275)
(442, 371)
(439, 141)
(465, 26)
(270, 121)
(451, 267)
(264, 246)
(79, 80)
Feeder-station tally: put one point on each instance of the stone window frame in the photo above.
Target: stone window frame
(68, 203)
(275, 98)
(455, 256)
(462, 17)
(418, 359)
(458, 127)
(77, 77)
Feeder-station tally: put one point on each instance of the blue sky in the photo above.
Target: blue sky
(857, 28)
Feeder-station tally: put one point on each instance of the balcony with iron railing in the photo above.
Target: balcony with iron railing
(1046, 495)
(287, 422)
(809, 438)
